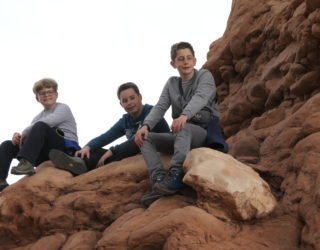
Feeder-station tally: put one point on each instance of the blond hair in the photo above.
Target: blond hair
(44, 83)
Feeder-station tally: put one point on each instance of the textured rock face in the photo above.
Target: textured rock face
(267, 67)
(100, 210)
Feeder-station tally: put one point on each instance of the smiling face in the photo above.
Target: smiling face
(131, 102)
(184, 62)
(47, 97)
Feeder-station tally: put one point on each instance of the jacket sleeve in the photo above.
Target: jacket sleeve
(158, 111)
(115, 132)
(205, 90)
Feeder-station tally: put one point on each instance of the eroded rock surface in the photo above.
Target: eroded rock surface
(267, 67)
(101, 210)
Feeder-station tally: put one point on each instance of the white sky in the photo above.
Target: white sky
(90, 47)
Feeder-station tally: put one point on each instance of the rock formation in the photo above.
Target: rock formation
(266, 67)
(101, 209)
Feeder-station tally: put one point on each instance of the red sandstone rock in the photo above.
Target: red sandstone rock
(266, 67)
(282, 91)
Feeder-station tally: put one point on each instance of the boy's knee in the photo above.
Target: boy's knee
(40, 126)
(149, 139)
(7, 144)
(185, 130)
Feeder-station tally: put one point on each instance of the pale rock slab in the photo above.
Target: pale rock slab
(225, 183)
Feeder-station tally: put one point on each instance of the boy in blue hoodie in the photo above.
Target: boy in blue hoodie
(93, 155)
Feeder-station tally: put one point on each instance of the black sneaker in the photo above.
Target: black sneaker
(172, 182)
(23, 168)
(3, 184)
(74, 165)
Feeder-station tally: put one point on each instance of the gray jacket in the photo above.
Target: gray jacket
(199, 95)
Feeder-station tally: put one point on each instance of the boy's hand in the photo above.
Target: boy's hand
(178, 124)
(22, 139)
(141, 135)
(83, 153)
(105, 156)
(16, 138)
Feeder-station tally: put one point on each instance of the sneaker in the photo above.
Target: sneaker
(148, 199)
(23, 168)
(172, 182)
(74, 165)
(157, 176)
(3, 184)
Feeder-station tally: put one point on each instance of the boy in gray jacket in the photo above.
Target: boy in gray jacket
(192, 97)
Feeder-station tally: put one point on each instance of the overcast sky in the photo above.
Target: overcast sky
(90, 47)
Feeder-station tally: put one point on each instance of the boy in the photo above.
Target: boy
(93, 155)
(54, 127)
(192, 97)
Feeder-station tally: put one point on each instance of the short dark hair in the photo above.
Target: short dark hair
(45, 83)
(181, 45)
(128, 85)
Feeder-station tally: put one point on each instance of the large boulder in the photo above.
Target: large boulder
(223, 182)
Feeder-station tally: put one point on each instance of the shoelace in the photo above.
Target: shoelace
(172, 175)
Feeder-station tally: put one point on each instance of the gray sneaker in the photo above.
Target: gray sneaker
(148, 199)
(3, 184)
(172, 182)
(23, 168)
(156, 177)
(74, 165)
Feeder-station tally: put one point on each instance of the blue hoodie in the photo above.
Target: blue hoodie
(127, 126)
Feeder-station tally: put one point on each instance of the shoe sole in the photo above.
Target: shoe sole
(21, 172)
(65, 162)
(3, 187)
(146, 200)
(163, 190)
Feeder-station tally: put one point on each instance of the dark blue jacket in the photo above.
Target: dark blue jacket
(127, 126)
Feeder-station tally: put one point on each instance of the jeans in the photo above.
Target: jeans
(129, 150)
(35, 148)
(191, 136)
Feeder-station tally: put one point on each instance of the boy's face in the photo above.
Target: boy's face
(131, 102)
(184, 63)
(47, 97)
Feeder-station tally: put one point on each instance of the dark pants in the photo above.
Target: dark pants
(129, 149)
(215, 138)
(35, 149)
